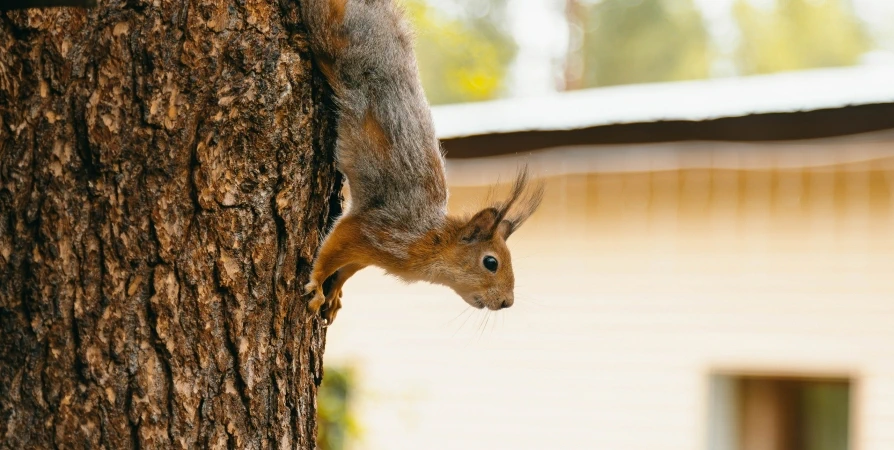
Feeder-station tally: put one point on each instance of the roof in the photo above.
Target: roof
(687, 100)
(793, 105)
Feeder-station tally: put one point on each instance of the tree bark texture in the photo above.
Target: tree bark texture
(166, 173)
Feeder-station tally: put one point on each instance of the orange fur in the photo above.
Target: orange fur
(345, 244)
(387, 150)
(326, 66)
(344, 252)
(375, 132)
(452, 254)
(337, 10)
(338, 42)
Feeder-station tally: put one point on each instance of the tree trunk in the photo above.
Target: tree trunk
(166, 174)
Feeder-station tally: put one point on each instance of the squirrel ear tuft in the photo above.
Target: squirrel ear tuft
(481, 226)
(523, 200)
(504, 229)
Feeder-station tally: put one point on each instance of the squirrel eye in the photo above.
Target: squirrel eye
(490, 263)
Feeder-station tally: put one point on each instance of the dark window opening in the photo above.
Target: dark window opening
(779, 413)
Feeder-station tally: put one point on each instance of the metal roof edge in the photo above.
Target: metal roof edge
(698, 100)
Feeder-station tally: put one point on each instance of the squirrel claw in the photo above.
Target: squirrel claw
(327, 305)
(310, 287)
(331, 306)
(317, 300)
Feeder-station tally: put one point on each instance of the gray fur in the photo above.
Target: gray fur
(403, 188)
(386, 147)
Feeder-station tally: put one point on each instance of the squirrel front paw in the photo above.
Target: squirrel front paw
(317, 300)
(332, 305)
(328, 304)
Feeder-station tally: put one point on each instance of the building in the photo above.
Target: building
(711, 269)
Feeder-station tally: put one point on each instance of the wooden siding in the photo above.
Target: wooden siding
(649, 268)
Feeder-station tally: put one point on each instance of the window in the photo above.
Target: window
(779, 413)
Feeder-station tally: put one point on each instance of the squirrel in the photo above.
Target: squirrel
(387, 149)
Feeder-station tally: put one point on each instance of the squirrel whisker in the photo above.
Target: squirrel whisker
(387, 149)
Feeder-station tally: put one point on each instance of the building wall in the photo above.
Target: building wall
(647, 270)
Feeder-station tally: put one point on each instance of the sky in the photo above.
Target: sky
(534, 69)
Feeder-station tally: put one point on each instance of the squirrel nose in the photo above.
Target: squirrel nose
(507, 303)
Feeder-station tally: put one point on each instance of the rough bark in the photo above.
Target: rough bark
(165, 176)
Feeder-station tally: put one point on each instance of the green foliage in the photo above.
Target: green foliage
(798, 34)
(464, 53)
(643, 41)
(464, 57)
(336, 422)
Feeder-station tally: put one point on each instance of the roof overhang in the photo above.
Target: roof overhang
(790, 106)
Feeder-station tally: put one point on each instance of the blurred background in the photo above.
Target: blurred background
(713, 264)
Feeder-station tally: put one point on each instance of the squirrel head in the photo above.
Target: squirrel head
(478, 265)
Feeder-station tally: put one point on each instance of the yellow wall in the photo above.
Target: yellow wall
(647, 269)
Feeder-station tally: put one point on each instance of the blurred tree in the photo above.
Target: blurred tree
(798, 34)
(335, 419)
(463, 53)
(624, 41)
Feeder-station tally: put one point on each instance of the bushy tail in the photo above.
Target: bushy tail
(324, 20)
(386, 138)
(361, 43)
